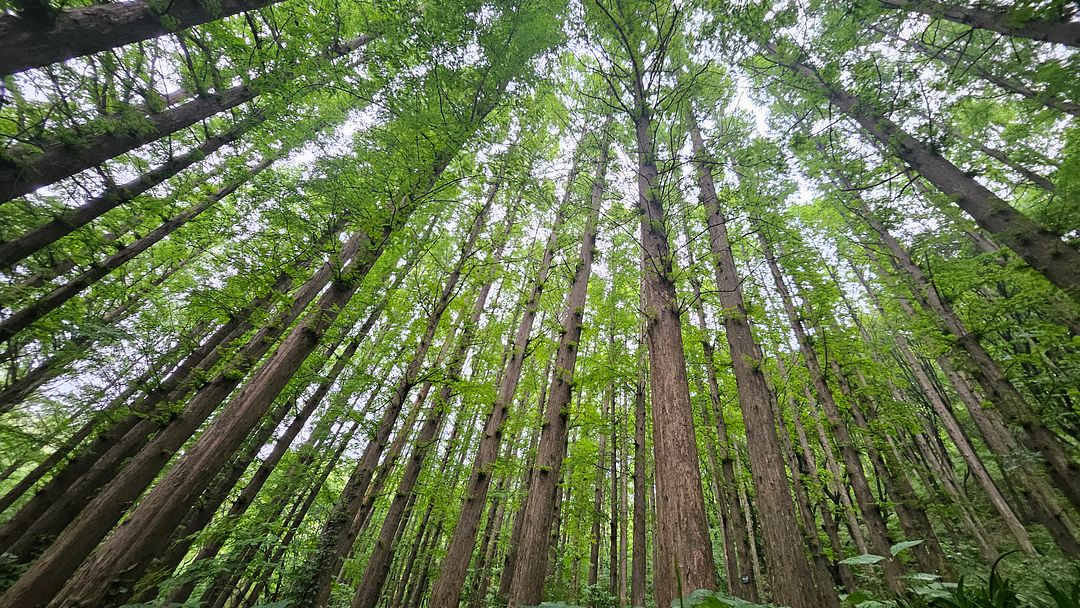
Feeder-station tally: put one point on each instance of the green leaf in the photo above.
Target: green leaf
(907, 544)
(861, 560)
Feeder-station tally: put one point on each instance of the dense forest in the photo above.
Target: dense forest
(479, 303)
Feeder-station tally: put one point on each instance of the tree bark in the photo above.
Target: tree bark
(1061, 32)
(378, 565)
(533, 550)
(986, 371)
(872, 517)
(684, 548)
(70, 220)
(76, 32)
(135, 432)
(56, 298)
(312, 586)
(1038, 246)
(639, 557)
(790, 574)
(29, 169)
(448, 586)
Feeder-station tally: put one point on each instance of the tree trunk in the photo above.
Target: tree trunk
(447, 587)
(378, 565)
(684, 548)
(1038, 246)
(638, 566)
(30, 169)
(534, 547)
(76, 32)
(165, 506)
(125, 486)
(790, 575)
(312, 586)
(23, 318)
(70, 220)
(1061, 32)
(507, 576)
(598, 502)
(872, 517)
(987, 372)
(832, 530)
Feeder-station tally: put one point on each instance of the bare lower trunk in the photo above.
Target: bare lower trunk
(534, 548)
(638, 566)
(684, 548)
(790, 574)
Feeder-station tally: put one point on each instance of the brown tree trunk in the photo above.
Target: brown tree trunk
(70, 220)
(507, 575)
(1061, 32)
(598, 502)
(447, 588)
(28, 169)
(987, 372)
(96, 473)
(832, 530)
(1038, 246)
(80, 31)
(683, 546)
(790, 574)
(534, 547)
(872, 517)
(736, 549)
(208, 506)
(378, 564)
(165, 506)
(312, 586)
(639, 557)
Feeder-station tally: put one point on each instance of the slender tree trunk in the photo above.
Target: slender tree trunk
(448, 586)
(806, 513)
(1038, 246)
(105, 471)
(519, 518)
(533, 550)
(1061, 32)
(23, 318)
(832, 530)
(598, 502)
(613, 519)
(736, 554)
(80, 31)
(312, 586)
(638, 566)
(624, 496)
(378, 564)
(1004, 159)
(209, 505)
(988, 373)
(1007, 84)
(872, 517)
(165, 506)
(790, 574)
(70, 220)
(29, 169)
